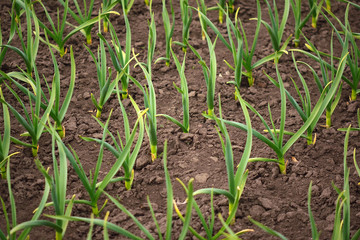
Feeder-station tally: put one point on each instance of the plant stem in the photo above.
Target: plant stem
(211, 112)
(250, 78)
(328, 5)
(98, 113)
(105, 25)
(128, 183)
(231, 206)
(353, 94)
(309, 138)
(313, 22)
(95, 210)
(125, 95)
(35, 149)
(60, 130)
(58, 235)
(88, 36)
(328, 119)
(282, 165)
(153, 149)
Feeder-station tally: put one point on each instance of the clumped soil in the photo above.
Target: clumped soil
(278, 201)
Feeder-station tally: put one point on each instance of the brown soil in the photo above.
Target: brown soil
(278, 201)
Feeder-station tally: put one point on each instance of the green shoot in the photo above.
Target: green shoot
(328, 73)
(304, 109)
(30, 45)
(353, 59)
(221, 14)
(236, 182)
(58, 186)
(328, 5)
(241, 38)
(56, 31)
(106, 7)
(5, 140)
(186, 17)
(149, 91)
(276, 28)
(82, 16)
(58, 112)
(169, 30)
(127, 4)
(299, 24)
(169, 215)
(92, 185)
(106, 84)
(209, 73)
(315, 7)
(119, 57)
(203, 9)
(183, 90)
(276, 142)
(130, 159)
(31, 120)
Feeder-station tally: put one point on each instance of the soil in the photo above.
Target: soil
(278, 201)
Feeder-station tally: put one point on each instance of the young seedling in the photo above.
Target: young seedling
(299, 24)
(353, 59)
(236, 179)
(186, 17)
(130, 159)
(315, 6)
(221, 13)
(30, 45)
(328, 74)
(58, 111)
(82, 15)
(169, 30)
(276, 28)
(203, 9)
(92, 185)
(167, 235)
(56, 32)
(58, 186)
(119, 57)
(209, 73)
(104, 75)
(149, 91)
(242, 40)
(328, 5)
(183, 90)
(32, 120)
(127, 4)
(106, 7)
(304, 108)
(276, 141)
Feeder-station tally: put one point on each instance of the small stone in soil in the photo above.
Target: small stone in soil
(202, 177)
(256, 211)
(266, 203)
(326, 193)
